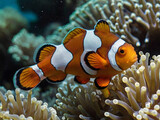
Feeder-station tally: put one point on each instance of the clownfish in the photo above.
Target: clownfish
(86, 54)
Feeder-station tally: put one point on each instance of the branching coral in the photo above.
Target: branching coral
(24, 45)
(25, 108)
(138, 91)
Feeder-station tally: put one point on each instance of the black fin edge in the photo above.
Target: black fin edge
(55, 82)
(102, 21)
(39, 51)
(86, 61)
(75, 79)
(16, 79)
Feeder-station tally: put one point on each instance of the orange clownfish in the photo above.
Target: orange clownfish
(95, 53)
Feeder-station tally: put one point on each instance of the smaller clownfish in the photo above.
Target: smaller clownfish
(96, 53)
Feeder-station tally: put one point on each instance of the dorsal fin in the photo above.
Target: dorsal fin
(43, 51)
(73, 33)
(102, 26)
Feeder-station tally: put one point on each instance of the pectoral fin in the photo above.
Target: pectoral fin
(95, 61)
(102, 83)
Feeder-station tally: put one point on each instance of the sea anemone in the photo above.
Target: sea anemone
(24, 108)
(137, 90)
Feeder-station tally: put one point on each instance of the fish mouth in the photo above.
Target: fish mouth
(134, 59)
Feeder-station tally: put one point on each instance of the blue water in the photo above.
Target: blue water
(13, 3)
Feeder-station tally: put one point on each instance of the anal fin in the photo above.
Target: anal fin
(56, 78)
(81, 80)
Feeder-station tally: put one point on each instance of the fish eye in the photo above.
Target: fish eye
(122, 51)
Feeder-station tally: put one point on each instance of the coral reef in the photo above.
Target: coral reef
(59, 34)
(10, 23)
(138, 91)
(135, 21)
(23, 46)
(24, 108)
(80, 102)
(135, 94)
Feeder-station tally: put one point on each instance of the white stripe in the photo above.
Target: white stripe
(61, 57)
(38, 71)
(112, 54)
(91, 43)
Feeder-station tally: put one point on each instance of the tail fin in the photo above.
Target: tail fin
(26, 78)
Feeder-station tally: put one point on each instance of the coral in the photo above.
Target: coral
(135, 21)
(138, 91)
(25, 108)
(24, 45)
(80, 102)
(58, 35)
(49, 95)
(10, 23)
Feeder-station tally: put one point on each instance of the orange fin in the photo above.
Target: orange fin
(43, 51)
(81, 80)
(26, 78)
(56, 78)
(73, 33)
(95, 61)
(102, 26)
(102, 83)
